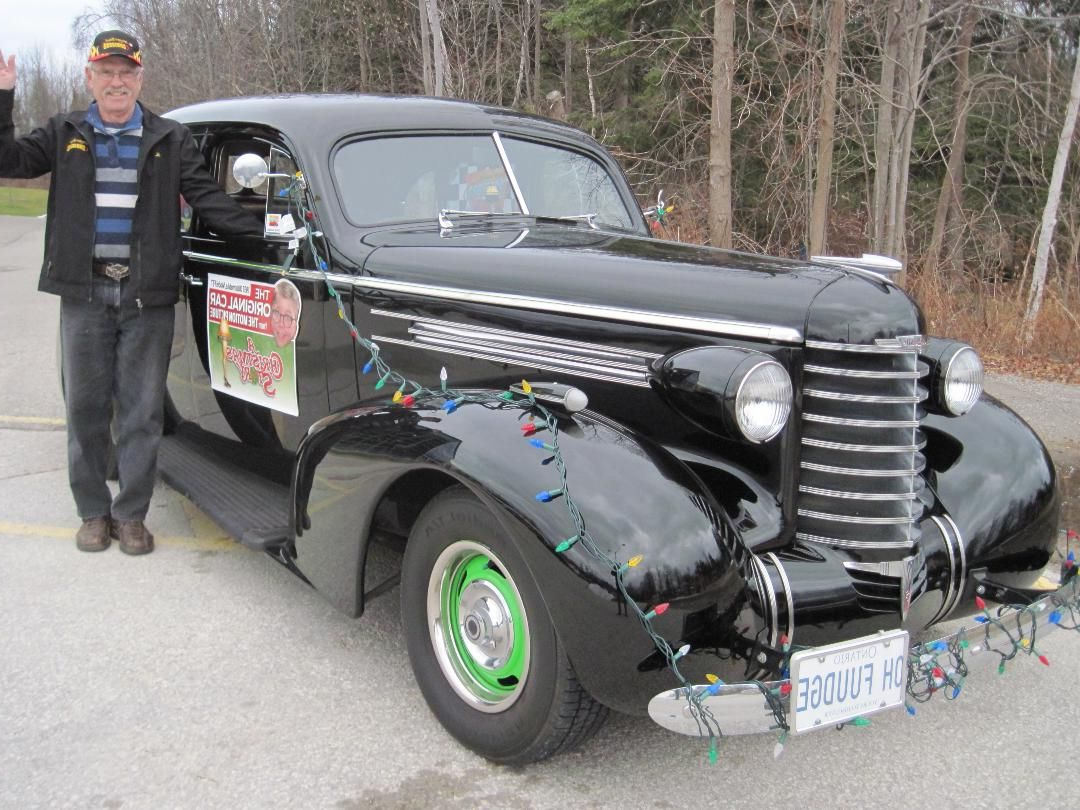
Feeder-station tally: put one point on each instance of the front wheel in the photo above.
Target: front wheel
(481, 643)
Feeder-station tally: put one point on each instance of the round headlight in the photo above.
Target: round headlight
(961, 380)
(763, 401)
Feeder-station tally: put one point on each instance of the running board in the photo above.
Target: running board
(248, 507)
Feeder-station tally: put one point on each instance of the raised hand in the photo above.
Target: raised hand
(7, 72)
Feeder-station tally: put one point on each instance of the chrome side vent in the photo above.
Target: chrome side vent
(861, 484)
(574, 357)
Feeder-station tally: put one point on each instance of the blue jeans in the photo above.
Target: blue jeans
(113, 353)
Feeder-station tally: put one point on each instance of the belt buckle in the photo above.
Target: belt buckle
(115, 271)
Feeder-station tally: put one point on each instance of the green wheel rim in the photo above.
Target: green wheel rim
(478, 624)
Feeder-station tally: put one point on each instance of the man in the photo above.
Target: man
(285, 312)
(112, 253)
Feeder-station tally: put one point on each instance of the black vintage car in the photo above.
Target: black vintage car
(624, 472)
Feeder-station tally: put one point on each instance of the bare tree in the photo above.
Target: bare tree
(826, 124)
(723, 70)
(438, 46)
(950, 199)
(1050, 213)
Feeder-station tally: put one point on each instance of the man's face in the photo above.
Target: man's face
(114, 82)
(283, 319)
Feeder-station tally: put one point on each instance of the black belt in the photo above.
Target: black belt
(113, 270)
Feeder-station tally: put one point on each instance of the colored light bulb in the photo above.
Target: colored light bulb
(408, 400)
(442, 378)
(368, 366)
(659, 610)
(785, 689)
(525, 387)
(566, 544)
(1044, 660)
(382, 381)
(980, 603)
(540, 445)
(683, 650)
(548, 495)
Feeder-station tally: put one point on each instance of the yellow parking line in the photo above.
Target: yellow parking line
(219, 542)
(33, 420)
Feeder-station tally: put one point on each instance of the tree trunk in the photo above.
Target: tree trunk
(913, 87)
(592, 84)
(950, 199)
(538, 94)
(1053, 197)
(425, 50)
(568, 74)
(498, 56)
(826, 125)
(883, 137)
(438, 46)
(723, 71)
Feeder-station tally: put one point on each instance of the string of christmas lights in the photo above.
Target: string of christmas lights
(939, 667)
(408, 393)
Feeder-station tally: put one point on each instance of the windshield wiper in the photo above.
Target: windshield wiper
(588, 219)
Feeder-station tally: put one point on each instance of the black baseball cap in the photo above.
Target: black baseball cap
(115, 43)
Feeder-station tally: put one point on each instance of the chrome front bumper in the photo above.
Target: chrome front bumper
(996, 638)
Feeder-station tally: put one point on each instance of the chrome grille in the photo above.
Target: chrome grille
(861, 484)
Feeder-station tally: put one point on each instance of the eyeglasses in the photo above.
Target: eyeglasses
(282, 317)
(123, 75)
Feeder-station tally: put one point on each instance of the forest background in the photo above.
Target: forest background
(933, 132)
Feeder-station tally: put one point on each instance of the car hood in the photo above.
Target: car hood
(554, 261)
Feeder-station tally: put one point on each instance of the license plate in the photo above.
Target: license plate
(842, 681)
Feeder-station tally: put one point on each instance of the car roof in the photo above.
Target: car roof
(342, 114)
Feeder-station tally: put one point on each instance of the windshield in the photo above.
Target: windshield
(398, 179)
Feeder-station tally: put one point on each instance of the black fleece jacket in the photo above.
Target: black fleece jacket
(169, 165)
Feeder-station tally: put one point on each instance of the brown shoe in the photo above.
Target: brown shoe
(134, 537)
(93, 535)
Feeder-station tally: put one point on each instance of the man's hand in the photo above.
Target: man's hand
(7, 72)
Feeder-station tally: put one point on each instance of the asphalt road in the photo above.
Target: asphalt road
(206, 676)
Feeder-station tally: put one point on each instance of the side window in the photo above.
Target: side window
(270, 199)
(412, 177)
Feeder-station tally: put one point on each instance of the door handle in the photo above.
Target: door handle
(192, 281)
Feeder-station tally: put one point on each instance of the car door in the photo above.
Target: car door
(253, 331)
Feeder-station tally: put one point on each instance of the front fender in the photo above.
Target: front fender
(995, 479)
(635, 499)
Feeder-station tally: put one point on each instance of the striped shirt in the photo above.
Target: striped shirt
(116, 188)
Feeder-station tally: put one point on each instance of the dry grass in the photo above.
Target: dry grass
(990, 318)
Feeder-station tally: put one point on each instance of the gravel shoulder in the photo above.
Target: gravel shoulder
(1052, 409)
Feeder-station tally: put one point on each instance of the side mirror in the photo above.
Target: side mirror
(249, 170)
